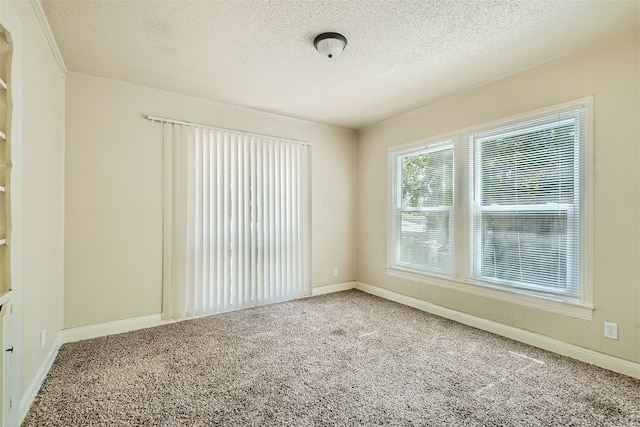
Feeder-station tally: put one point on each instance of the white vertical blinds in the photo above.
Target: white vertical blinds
(526, 203)
(236, 220)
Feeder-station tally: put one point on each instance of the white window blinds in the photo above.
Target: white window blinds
(236, 220)
(518, 212)
(423, 208)
(526, 203)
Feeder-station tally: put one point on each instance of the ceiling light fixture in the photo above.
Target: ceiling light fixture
(330, 44)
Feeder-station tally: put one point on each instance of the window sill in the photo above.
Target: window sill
(565, 307)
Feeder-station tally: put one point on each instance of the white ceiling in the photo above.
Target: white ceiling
(259, 54)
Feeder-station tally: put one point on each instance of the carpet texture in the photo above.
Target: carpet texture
(343, 359)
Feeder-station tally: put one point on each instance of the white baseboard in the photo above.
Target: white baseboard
(615, 364)
(38, 378)
(77, 334)
(602, 360)
(336, 287)
(110, 328)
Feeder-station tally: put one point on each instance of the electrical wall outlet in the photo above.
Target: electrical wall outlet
(611, 330)
(43, 338)
(335, 271)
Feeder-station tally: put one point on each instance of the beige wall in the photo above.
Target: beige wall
(113, 251)
(38, 184)
(610, 72)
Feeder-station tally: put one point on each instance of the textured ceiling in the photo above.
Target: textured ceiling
(259, 54)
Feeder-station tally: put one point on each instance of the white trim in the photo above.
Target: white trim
(461, 278)
(335, 287)
(560, 347)
(584, 102)
(586, 202)
(14, 25)
(395, 210)
(110, 328)
(550, 303)
(5, 297)
(46, 29)
(36, 382)
(606, 361)
(77, 334)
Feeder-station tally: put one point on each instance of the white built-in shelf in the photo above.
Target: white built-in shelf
(3, 241)
(3, 136)
(3, 84)
(3, 189)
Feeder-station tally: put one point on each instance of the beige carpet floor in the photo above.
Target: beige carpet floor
(344, 359)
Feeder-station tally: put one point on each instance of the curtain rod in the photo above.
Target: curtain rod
(201, 126)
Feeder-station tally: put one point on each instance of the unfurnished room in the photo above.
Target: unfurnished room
(320, 213)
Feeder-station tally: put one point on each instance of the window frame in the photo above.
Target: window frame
(423, 147)
(475, 141)
(462, 278)
(476, 265)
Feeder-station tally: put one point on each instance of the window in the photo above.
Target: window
(520, 221)
(423, 207)
(526, 204)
